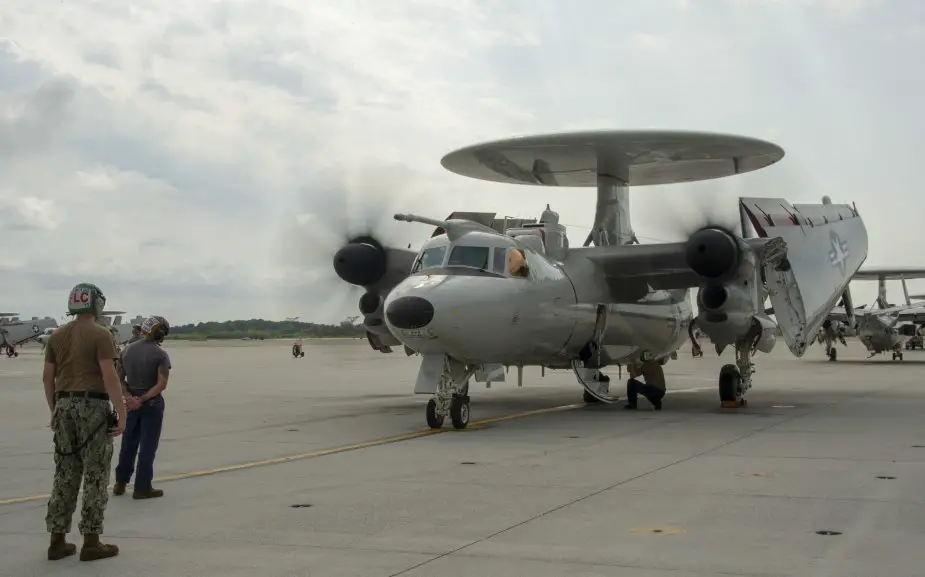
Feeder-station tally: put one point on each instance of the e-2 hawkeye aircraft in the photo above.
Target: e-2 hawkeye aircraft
(481, 296)
(112, 320)
(15, 332)
(882, 327)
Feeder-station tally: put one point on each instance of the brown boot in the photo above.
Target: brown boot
(152, 494)
(59, 547)
(118, 489)
(93, 549)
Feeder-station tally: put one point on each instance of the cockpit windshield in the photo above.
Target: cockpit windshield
(430, 258)
(469, 256)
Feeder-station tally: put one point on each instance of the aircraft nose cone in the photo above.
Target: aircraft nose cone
(410, 312)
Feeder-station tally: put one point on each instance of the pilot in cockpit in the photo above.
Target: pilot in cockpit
(516, 263)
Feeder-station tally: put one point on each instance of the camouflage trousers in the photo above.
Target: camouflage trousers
(73, 421)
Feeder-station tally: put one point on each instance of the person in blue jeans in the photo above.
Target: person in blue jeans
(144, 370)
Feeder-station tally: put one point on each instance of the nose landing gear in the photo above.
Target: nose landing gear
(735, 379)
(451, 398)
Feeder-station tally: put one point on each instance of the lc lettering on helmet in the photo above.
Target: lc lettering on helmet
(80, 297)
(86, 298)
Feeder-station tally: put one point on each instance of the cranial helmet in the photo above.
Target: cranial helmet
(86, 298)
(156, 327)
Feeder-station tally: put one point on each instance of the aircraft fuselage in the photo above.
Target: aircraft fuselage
(478, 312)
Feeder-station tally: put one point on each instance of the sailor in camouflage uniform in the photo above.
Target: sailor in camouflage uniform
(80, 381)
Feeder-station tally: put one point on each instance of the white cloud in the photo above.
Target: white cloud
(165, 149)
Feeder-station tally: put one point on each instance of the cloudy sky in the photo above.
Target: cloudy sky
(164, 149)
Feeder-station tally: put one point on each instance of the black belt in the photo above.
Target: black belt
(87, 394)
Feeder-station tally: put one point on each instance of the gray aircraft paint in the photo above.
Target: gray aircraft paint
(880, 329)
(805, 294)
(22, 330)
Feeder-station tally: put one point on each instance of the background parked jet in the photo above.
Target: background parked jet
(881, 327)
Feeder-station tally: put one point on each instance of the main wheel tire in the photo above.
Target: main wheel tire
(433, 420)
(730, 383)
(833, 354)
(459, 412)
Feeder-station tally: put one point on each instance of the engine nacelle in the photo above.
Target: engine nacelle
(362, 261)
(719, 256)
(767, 334)
(908, 330)
(726, 312)
(377, 333)
(838, 329)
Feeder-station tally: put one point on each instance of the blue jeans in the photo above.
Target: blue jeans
(141, 436)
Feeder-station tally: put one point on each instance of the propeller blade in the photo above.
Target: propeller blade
(334, 239)
(685, 210)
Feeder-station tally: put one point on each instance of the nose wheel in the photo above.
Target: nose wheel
(451, 398)
(458, 410)
(434, 419)
(730, 387)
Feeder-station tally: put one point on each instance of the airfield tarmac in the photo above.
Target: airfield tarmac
(323, 466)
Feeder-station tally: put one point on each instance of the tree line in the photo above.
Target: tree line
(266, 329)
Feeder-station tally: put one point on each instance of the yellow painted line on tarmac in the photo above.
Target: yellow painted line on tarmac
(343, 449)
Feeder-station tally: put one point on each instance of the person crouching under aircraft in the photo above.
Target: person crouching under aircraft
(653, 389)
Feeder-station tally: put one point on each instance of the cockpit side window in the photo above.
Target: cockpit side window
(469, 256)
(517, 263)
(499, 260)
(430, 258)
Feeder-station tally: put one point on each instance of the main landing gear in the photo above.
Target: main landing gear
(897, 355)
(832, 353)
(696, 349)
(735, 379)
(452, 397)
